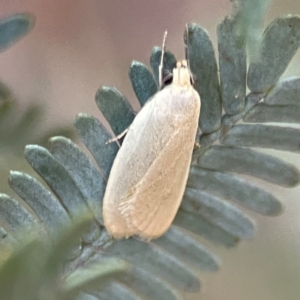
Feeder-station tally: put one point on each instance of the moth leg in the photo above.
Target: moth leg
(166, 80)
(196, 146)
(143, 239)
(116, 138)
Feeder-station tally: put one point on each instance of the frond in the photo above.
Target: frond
(228, 169)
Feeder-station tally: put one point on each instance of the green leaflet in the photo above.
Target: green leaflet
(15, 28)
(82, 257)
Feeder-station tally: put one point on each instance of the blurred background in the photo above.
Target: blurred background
(78, 46)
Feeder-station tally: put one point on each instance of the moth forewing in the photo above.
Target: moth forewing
(149, 174)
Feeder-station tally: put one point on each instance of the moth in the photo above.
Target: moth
(148, 177)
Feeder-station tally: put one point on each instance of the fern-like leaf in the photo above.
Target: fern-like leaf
(162, 268)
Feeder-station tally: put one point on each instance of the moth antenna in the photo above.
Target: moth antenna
(161, 66)
(186, 52)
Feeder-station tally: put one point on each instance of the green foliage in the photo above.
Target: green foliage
(33, 268)
(14, 28)
(164, 267)
(249, 15)
(22, 129)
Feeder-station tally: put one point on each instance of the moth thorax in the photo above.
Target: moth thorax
(181, 74)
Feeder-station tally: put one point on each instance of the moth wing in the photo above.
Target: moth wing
(150, 206)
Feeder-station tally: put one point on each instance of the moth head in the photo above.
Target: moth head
(182, 74)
